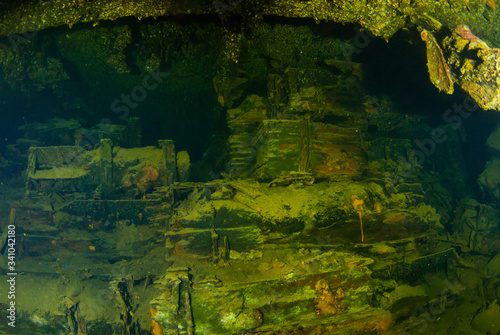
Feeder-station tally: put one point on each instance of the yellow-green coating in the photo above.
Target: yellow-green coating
(383, 18)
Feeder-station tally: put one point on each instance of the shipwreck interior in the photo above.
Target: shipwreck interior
(249, 167)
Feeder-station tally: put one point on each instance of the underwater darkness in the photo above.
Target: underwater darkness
(398, 68)
(479, 128)
(183, 105)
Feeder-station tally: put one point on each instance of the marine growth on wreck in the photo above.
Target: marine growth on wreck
(249, 167)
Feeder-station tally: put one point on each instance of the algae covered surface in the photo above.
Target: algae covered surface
(250, 167)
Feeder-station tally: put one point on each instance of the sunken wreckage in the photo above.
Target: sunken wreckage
(308, 225)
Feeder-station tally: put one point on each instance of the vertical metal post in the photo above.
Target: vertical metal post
(106, 167)
(168, 149)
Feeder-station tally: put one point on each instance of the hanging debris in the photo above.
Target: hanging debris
(476, 65)
(439, 71)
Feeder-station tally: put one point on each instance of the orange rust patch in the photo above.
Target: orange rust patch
(491, 4)
(423, 35)
(326, 301)
(381, 324)
(155, 327)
